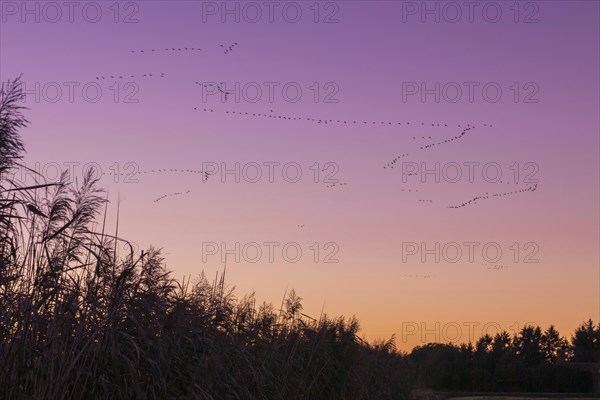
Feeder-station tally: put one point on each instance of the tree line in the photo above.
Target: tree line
(531, 361)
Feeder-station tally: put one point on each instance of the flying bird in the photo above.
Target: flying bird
(221, 90)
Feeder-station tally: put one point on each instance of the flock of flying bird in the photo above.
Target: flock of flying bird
(167, 49)
(430, 145)
(170, 195)
(320, 121)
(336, 184)
(226, 50)
(330, 121)
(317, 121)
(394, 161)
(488, 196)
(163, 170)
(495, 267)
(102, 77)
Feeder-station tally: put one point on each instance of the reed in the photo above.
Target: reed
(80, 321)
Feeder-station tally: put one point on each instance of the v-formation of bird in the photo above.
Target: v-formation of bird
(228, 49)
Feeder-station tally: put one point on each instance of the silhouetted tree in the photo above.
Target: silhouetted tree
(528, 345)
(501, 346)
(586, 343)
(553, 344)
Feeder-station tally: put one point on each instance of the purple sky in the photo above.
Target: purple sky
(546, 119)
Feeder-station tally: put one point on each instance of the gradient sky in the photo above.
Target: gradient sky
(370, 56)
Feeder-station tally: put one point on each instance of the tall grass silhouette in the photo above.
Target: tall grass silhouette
(78, 320)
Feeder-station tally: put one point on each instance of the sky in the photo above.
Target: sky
(429, 167)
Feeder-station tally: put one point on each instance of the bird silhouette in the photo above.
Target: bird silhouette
(224, 92)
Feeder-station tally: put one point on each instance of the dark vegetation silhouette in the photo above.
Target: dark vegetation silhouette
(79, 320)
(531, 361)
